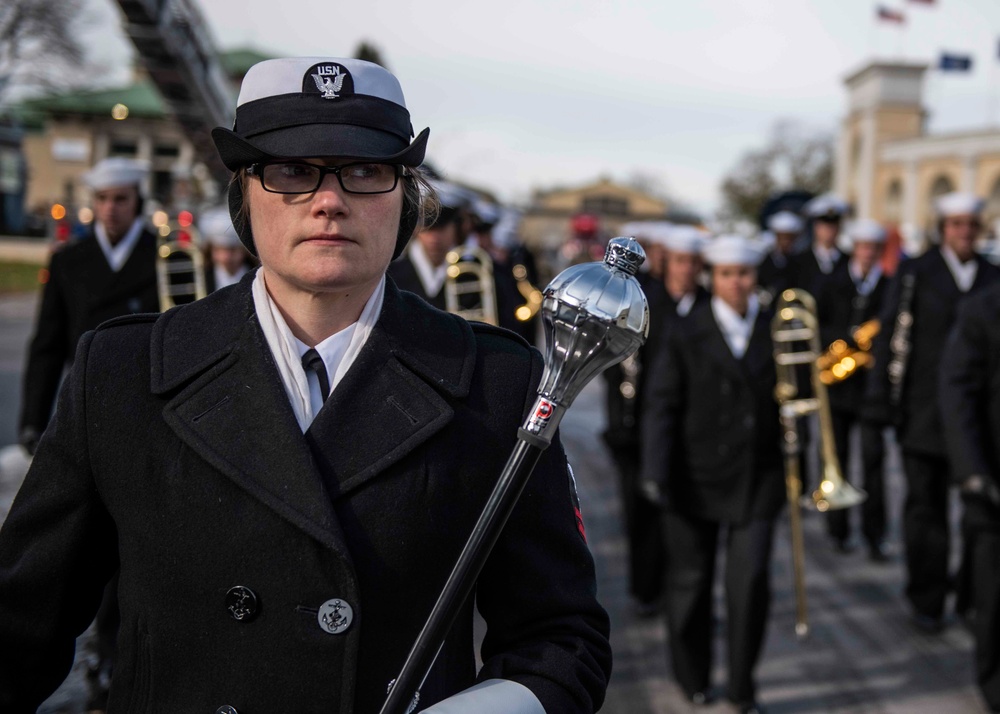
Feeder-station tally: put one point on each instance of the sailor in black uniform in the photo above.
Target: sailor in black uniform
(817, 263)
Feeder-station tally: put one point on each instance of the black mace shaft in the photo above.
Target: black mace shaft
(463, 576)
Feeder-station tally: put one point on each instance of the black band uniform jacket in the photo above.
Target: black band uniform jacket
(175, 455)
(710, 434)
(82, 292)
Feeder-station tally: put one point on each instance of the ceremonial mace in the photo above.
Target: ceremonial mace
(595, 315)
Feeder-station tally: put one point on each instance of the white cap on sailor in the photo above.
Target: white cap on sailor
(684, 239)
(826, 205)
(216, 227)
(959, 203)
(732, 250)
(115, 172)
(866, 230)
(784, 222)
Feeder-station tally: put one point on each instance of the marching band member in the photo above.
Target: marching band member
(852, 296)
(286, 470)
(814, 265)
(927, 291)
(711, 457)
(108, 273)
(970, 405)
(422, 269)
(229, 260)
(775, 272)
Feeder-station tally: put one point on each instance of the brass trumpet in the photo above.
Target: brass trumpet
(795, 322)
(841, 361)
(470, 275)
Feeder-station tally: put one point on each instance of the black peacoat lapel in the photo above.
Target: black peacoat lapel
(227, 403)
(715, 346)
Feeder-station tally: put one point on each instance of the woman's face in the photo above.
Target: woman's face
(734, 284)
(328, 241)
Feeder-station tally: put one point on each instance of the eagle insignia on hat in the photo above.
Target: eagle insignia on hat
(331, 84)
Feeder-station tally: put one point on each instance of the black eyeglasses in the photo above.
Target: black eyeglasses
(300, 177)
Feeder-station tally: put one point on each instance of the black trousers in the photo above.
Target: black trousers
(646, 557)
(981, 528)
(692, 544)
(926, 533)
(873, 516)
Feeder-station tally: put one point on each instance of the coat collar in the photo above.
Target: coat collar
(210, 358)
(756, 359)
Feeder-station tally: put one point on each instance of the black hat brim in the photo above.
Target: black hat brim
(344, 141)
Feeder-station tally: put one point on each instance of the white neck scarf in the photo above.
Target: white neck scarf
(963, 273)
(432, 278)
(685, 304)
(826, 257)
(736, 329)
(286, 348)
(118, 254)
(864, 284)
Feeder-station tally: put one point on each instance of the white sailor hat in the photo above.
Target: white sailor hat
(299, 107)
(866, 230)
(217, 229)
(114, 172)
(487, 212)
(784, 222)
(684, 239)
(959, 203)
(732, 250)
(826, 206)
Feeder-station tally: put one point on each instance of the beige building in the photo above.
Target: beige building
(66, 134)
(546, 224)
(887, 165)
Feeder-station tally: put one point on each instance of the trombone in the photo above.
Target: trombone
(180, 265)
(470, 274)
(794, 323)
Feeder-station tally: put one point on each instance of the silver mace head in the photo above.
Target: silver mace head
(595, 315)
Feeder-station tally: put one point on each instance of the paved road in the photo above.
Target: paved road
(863, 657)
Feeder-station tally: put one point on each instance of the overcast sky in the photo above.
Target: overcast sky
(526, 94)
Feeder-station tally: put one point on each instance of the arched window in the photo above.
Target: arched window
(894, 201)
(941, 186)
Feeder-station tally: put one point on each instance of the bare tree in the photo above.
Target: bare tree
(39, 45)
(370, 53)
(795, 157)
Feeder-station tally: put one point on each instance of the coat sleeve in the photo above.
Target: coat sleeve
(538, 593)
(662, 406)
(963, 385)
(57, 551)
(47, 354)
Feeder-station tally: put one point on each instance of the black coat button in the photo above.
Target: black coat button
(243, 606)
(226, 709)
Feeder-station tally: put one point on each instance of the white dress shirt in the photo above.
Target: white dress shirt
(338, 351)
(963, 273)
(826, 257)
(736, 329)
(432, 278)
(223, 279)
(864, 284)
(685, 304)
(117, 255)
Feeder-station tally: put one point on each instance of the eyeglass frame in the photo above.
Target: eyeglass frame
(257, 169)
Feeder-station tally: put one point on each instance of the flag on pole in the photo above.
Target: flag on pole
(887, 14)
(955, 63)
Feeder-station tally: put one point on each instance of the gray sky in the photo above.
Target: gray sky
(530, 93)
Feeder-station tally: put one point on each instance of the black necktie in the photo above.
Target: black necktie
(312, 361)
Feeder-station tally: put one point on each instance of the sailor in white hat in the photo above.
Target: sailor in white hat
(228, 257)
(284, 472)
(774, 273)
(853, 296)
(711, 456)
(810, 268)
(923, 303)
(422, 268)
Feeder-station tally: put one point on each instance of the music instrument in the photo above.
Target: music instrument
(469, 288)
(795, 323)
(594, 315)
(841, 360)
(899, 343)
(529, 292)
(180, 265)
